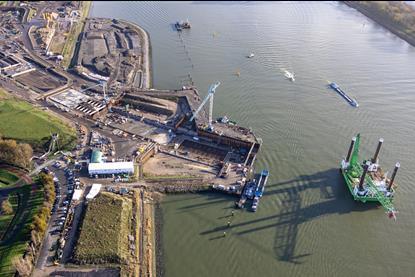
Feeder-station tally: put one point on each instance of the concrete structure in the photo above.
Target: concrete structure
(69, 98)
(77, 101)
(111, 168)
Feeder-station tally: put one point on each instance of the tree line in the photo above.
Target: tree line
(397, 13)
(24, 265)
(14, 153)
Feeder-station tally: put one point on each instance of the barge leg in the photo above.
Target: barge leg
(397, 165)
(375, 158)
(350, 149)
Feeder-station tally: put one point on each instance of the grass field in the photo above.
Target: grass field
(105, 229)
(5, 219)
(25, 123)
(17, 237)
(7, 178)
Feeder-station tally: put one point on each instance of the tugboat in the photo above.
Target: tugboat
(260, 189)
(366, 181)
(182, 25)
(248, 193)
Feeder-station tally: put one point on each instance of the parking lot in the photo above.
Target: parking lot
(66, 181)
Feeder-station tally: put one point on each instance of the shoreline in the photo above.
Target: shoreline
(158, 229)
(381, 21)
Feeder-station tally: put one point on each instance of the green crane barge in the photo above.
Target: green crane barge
(367, 182)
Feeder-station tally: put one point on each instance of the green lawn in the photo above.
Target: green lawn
(7, 178)
(15, 241)
(5, 219)
(25, 123)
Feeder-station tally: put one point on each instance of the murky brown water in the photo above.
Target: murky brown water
(307, 224)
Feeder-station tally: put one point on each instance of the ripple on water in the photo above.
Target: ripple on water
(307, 214)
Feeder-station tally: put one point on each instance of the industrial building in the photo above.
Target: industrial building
(111, 168)
(98, 167)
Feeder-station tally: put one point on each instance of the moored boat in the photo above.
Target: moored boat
(259, 191)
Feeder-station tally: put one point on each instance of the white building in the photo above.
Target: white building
(111, 168)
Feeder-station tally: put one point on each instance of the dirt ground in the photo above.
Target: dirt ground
(163, 164)
(78, 272)
(39, 81)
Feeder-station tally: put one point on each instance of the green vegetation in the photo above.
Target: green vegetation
(27, 227)
(7, 178)
(15, 241)
(397, 16)
(69, 48)
(25, 123)
(6, 218)
(105, 230)
(18, 154)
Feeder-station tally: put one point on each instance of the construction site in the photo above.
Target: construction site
(134, 140)
(111, 51)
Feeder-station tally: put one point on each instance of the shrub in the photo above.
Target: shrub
(6, 207)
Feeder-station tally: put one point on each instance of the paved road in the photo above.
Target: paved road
(70, 243)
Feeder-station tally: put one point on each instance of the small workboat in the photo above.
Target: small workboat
(251, 55)
(289, 75)
(182, 25)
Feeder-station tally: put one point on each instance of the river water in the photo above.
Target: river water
(307, 223)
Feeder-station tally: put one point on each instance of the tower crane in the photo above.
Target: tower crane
(211, 92)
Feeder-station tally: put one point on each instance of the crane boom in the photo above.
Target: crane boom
(101, 83)
(211, 92)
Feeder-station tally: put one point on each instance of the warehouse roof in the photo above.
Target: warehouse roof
(110, 168)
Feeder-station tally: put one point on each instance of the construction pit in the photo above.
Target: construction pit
(40, 81)
(184, 151)
(30, 73)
